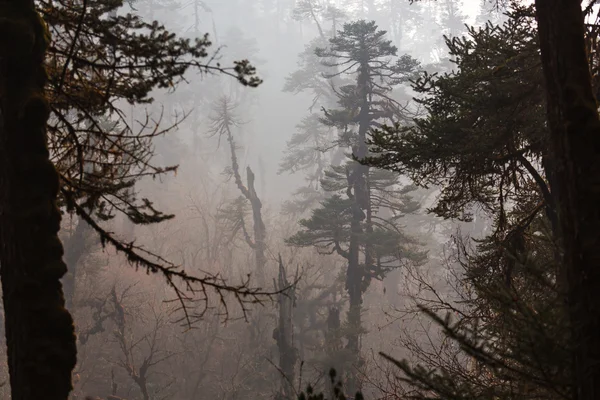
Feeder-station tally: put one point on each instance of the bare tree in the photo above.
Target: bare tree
(223, 122)
(136, 362)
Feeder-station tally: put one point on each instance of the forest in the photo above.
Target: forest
(299, 199)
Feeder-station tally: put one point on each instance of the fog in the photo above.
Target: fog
(267, 34)
(140, 339)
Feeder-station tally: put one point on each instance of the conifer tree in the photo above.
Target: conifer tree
(485, 141)
(352, 222)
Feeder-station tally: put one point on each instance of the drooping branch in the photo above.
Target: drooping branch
(188, 288)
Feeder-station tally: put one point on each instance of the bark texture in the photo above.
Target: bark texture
(40, 335)
(575, 139)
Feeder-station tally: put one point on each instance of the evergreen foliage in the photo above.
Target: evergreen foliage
(483, 136)
(358, 218)
(484, 141)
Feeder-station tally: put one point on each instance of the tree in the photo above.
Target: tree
(95, 60)
(352, 222)
(96, 66)
(486, 140)
(472, 128)
(223, 122)
(284, 332)
(39, 330)
(574, 135)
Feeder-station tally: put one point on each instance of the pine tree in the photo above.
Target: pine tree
(352, 221)
(474, 143)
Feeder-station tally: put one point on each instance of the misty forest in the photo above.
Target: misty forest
(299, 199)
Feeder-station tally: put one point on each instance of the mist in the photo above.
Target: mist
(355, 209)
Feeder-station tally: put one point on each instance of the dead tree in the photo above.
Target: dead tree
(222, 123)
(137, 371)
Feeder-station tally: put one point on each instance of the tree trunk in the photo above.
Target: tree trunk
(575, 139)
(40, 335)
(356, 271)
(259, 244)
(260, 231)
(285, 337)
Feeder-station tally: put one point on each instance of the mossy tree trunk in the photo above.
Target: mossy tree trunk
(575, 138)
(40, 335)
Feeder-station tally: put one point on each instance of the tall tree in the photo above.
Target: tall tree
(40, 335)
(95, 60)
(487, 142)
(574, 129)
(358, 221)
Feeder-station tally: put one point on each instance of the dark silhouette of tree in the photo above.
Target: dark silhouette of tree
(487, 142)
(39, 330)
(574, 137)
(95, 61)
